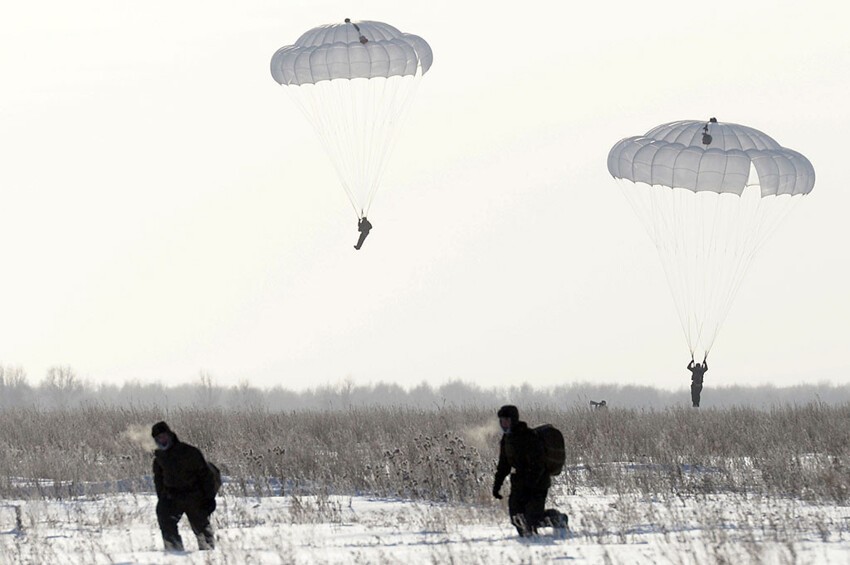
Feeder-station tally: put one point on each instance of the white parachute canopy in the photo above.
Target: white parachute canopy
(709, 194)
(354, 81)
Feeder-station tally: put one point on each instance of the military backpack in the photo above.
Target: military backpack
(554, 452)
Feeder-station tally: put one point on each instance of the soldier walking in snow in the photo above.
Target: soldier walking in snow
(184, 483)
(522, 450)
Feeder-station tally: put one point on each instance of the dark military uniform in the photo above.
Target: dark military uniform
(364, 226)
(184, 484)
(522, 450)
(698, 372)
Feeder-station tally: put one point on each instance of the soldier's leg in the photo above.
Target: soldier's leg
(534, 510)
(360, 240)
(168, 514)
(516, 508)
(199, 519)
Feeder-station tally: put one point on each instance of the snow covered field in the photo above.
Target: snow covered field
(624, 528)
(727, 486)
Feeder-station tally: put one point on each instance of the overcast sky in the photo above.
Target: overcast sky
(166, 209)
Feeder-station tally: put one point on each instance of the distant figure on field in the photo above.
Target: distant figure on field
(598, 405)
(363, 226)
(522, 450)
(698, 371)
(184, 483)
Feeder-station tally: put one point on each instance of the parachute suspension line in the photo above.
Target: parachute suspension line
(358, 120)
(398, 95)
(695, 265)
(724, 256)
(697, 241)
(699, 238)
(385, 131)
(690, 263)
(665, 211)
(715, 271)
(339, 112)
(744, 230)
(784, 204)
(357, 127)
(669, 217)
(764, 217)
(380, 106)
(699, 263)
(693, 261)
(656, 209)
(355, 122)
(309, 98)
(703, 261)
(672, 219)
(715, 250)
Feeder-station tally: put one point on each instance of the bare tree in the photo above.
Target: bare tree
(14, 388)
(244, 396)
(208, 393)
(61, 386)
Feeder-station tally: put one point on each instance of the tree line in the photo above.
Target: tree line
(61, 387)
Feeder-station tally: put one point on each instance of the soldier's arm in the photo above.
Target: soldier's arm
(157, 477)
(503, 467)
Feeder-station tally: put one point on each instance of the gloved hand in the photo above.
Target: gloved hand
(496, 489)
(208, 505)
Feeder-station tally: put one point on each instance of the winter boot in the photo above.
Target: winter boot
(206, 540)
(559, 523)
(561, 526)
(521, 525)
(173, 544)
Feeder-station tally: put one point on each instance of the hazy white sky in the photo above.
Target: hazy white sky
(167, 210)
